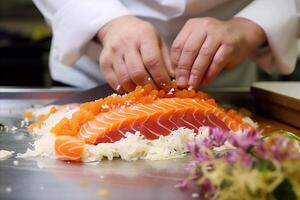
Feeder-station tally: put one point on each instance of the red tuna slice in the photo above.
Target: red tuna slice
(155, 119)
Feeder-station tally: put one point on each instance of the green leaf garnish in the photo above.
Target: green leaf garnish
(284, 133)
(225, 184)
(264, 165)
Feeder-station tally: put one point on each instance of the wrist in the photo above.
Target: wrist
(254, 34)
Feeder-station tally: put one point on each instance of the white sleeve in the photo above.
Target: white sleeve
(75, 22)
(279, 20)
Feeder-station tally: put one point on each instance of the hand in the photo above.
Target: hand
(205, 46)
(133, 54)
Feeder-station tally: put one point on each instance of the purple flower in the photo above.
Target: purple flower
(194, 147)
(217, 137)
(247, 139)
(236, 155)
(207, 142)
(207, 190)
(199, 152)
(250, 149)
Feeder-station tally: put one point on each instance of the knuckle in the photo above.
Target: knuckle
(196, 70)
(151, 61)
(115, 48)
(175, 60)
(104, 62)
(230, 48)
(176, 47)
(138, 75)
(219, 59)
(183, 67)
(146, 28)
(190, 50)
(198, 67)
(123, 78)
(205, 51)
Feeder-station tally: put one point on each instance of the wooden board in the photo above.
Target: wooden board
(279, 100)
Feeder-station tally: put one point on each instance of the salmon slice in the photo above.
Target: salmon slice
(156, 119)
(69, 148)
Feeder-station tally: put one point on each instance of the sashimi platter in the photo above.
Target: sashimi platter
(207, 151)
(143, 124)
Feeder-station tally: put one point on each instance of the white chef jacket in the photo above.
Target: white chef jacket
(74, 56)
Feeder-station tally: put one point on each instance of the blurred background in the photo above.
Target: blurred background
(24, 47)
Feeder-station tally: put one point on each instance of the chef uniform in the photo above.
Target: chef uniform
(74, 55)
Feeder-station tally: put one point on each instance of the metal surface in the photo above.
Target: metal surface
(36, 93)
(52, 179)
(16, 100)
(117, 179)
(92, 94)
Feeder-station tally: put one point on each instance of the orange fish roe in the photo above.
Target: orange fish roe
(27, 115)
(235, 115)
(53, 110)
(40, 119)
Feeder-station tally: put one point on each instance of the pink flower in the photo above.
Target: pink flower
(236, 155)
(199, 151)
(216, 138)
(246, 140)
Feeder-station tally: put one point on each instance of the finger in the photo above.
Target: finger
(136, 69)
(203, 60)
(178, 44)
(122, 74)
(167, 60)
(189, 53)
(153, 61)
(220, 59)
(111, 78)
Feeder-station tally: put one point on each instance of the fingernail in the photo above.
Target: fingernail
(193, 80)
(182, 81)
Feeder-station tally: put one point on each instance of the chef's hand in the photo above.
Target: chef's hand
(205, 46)
(133, 54)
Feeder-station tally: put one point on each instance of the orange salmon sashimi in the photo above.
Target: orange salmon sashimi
(151, 112)
(69, 148)
(158, 118)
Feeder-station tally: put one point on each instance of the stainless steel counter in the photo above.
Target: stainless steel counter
(52, 179)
